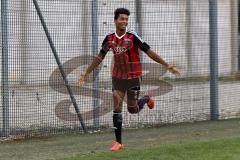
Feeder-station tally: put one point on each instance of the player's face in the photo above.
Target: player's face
(121, 22)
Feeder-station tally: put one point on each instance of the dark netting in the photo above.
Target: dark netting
(178, 30)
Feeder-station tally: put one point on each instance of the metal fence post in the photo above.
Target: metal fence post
(234, 35)
(95, 74)
(213, 30)
(188, 26)
(60, 66)
(138, 7)
(5, 90)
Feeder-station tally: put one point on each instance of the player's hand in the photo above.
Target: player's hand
(173, 70)
(81, 80)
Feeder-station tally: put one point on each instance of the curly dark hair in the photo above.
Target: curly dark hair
(119, 11)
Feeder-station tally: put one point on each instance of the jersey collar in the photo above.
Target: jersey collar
(120, 36)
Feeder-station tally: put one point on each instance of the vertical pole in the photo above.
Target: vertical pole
(189, 37)
(238, 35)
(23, 57)
(138, 7)
(234, 35)
(95, 74)
(5, 90)
(138, 20)
(50, 41)
(213, 30)
(85, 29)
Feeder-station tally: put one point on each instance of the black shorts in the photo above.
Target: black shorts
(125, 85)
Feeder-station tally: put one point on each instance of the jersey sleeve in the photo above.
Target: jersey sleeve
(105, 47)
(142, 45)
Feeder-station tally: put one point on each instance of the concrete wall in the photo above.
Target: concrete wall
(166, 27)
(178, 36)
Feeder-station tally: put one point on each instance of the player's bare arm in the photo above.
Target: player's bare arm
(95, 63)
(158, 59)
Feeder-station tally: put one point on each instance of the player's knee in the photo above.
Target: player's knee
(133, 110)
(115, 94)
(117, 109)
(117, 100)
(134, 92)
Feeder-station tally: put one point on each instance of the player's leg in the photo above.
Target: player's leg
(118, 96)
(117, 119)
(135, 104)
(132, 99)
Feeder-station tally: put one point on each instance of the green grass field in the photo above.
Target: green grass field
(208, 140)
(222, 149)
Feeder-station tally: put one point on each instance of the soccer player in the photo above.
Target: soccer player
(126, 72)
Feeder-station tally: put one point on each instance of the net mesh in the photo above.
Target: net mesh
(178, 30)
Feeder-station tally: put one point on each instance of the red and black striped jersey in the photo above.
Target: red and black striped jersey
(127, 64)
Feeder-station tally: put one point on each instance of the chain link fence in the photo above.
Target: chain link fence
(35, 97)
